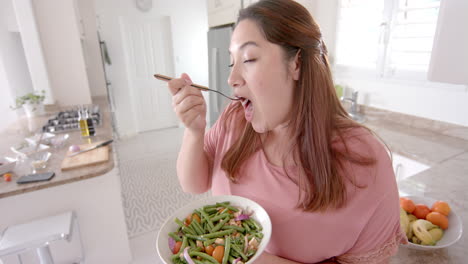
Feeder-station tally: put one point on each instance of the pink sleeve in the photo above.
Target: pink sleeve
(381, 237)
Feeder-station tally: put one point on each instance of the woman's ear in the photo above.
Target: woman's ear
(295, 66)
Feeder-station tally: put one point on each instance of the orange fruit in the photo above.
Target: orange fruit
(209, 250)
(218, 253)
(438, 219)
(407, 204)
(421, 211)
(441, 207)
(177, 246)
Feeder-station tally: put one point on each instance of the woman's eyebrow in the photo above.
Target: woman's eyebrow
(246, 44)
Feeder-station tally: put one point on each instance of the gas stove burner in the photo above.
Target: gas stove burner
(68, 120)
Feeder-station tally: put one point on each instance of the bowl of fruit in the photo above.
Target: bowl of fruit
(429, 223)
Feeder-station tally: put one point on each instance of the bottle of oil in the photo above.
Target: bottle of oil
(82, 119)
(90, 124)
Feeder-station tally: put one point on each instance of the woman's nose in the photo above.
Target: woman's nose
(235, 79)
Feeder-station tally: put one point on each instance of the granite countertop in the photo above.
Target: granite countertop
(25, 127)
(442, 146)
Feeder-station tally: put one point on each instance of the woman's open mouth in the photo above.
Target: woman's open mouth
(248, 108)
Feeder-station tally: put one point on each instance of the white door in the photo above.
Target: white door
(148, 50)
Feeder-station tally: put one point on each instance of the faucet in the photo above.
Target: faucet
(353, 112)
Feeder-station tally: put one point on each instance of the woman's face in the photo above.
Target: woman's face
(262, 77)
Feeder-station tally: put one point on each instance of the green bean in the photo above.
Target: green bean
(205, 256)
(192, 243)
(184, 228)
(226, 205)
(209, 242)
(189, 230)
(196, 228)
(227, 248)
(238, 228)
(184, 244)
(246, 226)
(209, 206)
(219, 217)
(257, 226)
(238, 250)
(259, 235)
(231, 259)
(200, 227)
(175, 237)
(218, 234)
(205, 215)
(196, 249)
(210, 210)
(220, 224)
(179, 222)
(195, 237)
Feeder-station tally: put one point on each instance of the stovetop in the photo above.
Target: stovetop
(68, 120)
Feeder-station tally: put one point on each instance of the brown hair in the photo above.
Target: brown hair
(317, 116)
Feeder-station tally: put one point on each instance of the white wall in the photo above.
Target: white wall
(189, 25)
(92, 53)
(61, 43)
(6, 99)
(438, 101)
(37, 70)
(449, 61)
(11, 60)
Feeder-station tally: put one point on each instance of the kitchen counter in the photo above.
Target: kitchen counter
(444, 147)
(25, 127)
(93, 193)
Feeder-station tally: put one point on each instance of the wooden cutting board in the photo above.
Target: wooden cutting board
(92, 157)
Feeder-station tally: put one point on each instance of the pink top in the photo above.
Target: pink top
(366, 230)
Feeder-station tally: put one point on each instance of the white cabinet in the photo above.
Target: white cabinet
(224, 12)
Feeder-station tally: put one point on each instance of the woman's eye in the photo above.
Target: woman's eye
(251, 60)
(246, 61)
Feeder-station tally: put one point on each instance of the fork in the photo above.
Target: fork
(201, 87)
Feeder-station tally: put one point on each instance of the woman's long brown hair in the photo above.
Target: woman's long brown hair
(318, 117)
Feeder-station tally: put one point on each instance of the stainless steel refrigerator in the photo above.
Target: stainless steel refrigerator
(218, 55)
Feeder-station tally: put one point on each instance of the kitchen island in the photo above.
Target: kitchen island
(92, 192)
(444, 147)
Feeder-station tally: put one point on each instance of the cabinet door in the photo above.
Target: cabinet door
(223, 12)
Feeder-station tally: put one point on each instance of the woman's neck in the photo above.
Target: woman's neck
(277, 146)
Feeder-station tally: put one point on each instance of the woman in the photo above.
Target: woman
(326, 182)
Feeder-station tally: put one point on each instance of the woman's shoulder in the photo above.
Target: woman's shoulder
(365, 146)
(358, 139)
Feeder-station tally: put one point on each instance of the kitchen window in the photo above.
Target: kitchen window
(386, 38)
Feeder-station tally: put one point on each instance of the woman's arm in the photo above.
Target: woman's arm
(267, 258)
(192, 163)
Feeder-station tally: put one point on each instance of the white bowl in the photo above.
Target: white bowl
(59, 140)
(259, 215)
(24, 148)
(451, 235)
(39, 160)
(46, 137)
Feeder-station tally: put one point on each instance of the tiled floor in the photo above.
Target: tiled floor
(150, 189)
(143, 249)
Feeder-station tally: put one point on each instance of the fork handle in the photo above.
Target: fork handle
(167, 78)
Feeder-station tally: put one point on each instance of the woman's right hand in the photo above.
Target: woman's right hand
(188, 103)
